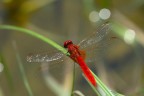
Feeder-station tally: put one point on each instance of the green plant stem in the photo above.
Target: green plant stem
(36, 35)
(102, 86)
(73, 81)
(94, 89)
(7, 72)
(22, 70)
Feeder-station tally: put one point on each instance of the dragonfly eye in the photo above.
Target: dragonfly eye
(66, 43)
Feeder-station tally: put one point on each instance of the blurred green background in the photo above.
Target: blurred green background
(120, 67)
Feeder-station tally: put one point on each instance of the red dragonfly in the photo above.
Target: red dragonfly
(78, 56)
(86, 50)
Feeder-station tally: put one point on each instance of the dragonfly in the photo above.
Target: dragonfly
(82, 53)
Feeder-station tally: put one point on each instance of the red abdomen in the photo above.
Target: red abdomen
(86, 70)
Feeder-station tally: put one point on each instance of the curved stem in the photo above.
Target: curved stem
(36, 35)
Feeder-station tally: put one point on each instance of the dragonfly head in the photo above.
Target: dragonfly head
(66, 43)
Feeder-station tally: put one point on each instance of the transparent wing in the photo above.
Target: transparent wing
(97, 42)
(97, 36)
(45, 56)
(56, 63)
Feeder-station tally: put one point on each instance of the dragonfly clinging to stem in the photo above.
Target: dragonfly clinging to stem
(79, 53)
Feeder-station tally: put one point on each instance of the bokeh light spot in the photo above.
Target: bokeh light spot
(93, 16)
(1, 67)
(104, 13)
(129, 36)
